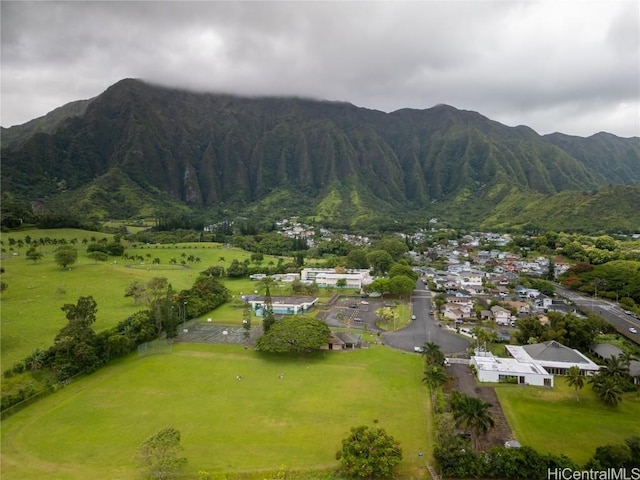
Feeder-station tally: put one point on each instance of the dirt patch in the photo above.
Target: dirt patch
(462, 380)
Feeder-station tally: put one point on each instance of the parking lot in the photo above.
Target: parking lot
(355, 312)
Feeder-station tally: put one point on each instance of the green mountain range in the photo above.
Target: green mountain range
(139, 148)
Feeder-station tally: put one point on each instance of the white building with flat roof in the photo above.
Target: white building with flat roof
(328, 277)
(495, 369)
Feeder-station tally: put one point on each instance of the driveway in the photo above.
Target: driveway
(424, 329)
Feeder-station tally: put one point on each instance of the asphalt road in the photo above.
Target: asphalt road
(609, 311)
(424, 329)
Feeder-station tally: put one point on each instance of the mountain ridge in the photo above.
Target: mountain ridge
(219, 150)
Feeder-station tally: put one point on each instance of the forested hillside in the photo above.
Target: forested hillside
(138, 147)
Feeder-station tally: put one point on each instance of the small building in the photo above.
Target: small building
(282, 305)
(343, 341)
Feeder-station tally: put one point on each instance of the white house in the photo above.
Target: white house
(495, 369)
(502, 316)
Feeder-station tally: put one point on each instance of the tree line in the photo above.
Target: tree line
(77, 349)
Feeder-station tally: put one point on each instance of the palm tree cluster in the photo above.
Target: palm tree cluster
(435, 375)
(610, 380)
(608, 383)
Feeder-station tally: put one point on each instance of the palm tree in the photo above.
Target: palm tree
(575, 379)
(472, 414)
(626, 358)
(606, 388)
(615, 368)
(433, 354)
(434, 377)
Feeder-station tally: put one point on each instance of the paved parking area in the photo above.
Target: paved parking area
(206, 333)
(355, 312)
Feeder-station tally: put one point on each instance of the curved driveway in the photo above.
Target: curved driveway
(424, 329)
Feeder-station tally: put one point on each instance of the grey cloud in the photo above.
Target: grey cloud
(551, 65)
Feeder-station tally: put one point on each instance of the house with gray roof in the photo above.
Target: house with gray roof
(605, 350)
(554, 357)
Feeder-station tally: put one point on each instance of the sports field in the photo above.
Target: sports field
(91, 428)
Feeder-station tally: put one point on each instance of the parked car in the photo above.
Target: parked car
(353, 305)
(364, 302)
(418, 349)
(413, 317)
(633, 330)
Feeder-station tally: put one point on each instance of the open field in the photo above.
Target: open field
(553, 421)
(91, 428)
(31, 315)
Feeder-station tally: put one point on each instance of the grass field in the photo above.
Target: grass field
(31, 315)
(553, 421)
(91, 428)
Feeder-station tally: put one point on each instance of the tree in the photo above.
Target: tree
(433, 354)
(369, 453)
(268, 318)
(160, 456)
(614, 367)
(473, 414)
(357, 258)
(297, 334)
(137, 290)
(575, 379)
(440, 300)
(606, 388)
(98, 256)
(395, 247)
(75, 350)
(406, 270)
(380, 261)
(246, 321)
(434, 377)
(401, 285)
(380, 285)
(66, 255)
(33, 254)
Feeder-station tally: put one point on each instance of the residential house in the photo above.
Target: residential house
(554, 357)
(521, 371)
(501, 315)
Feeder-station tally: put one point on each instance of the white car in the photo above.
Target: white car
(418, 349)
(633, 330)
(364, 302)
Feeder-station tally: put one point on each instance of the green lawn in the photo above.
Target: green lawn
(553, 421)
(91, 428)
(31, 314)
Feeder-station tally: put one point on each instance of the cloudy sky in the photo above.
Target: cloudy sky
(564, 65)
